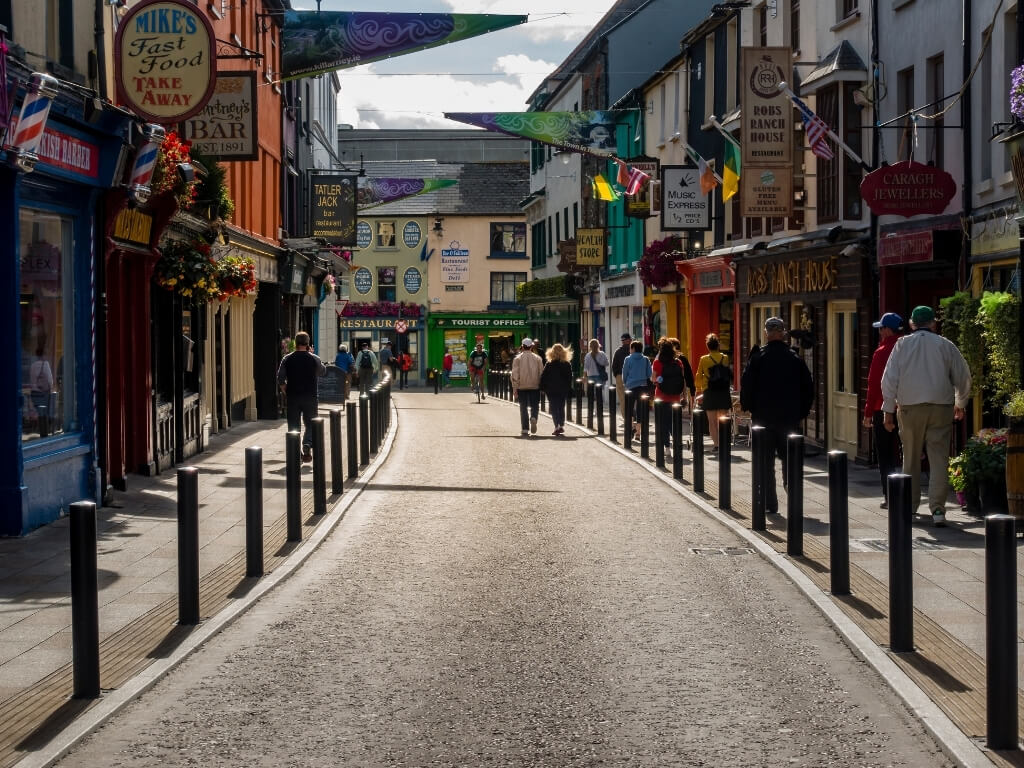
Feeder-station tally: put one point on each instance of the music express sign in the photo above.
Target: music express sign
(164, 60)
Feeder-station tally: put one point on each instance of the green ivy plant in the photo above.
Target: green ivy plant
(1014, 407)
(212, 193)
(961, 325)
(1001, 331)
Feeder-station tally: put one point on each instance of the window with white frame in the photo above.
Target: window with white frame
(503, 287)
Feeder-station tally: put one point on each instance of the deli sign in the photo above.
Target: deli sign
(164, 56)
(907, 189)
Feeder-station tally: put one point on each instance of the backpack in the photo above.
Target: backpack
(719, 376)
(672, 378)
(365, 361)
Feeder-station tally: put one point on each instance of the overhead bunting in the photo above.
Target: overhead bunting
(314, 42)
(374, 192)
(591, 133)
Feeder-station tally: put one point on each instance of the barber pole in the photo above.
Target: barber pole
(145, 162)
(39, 95)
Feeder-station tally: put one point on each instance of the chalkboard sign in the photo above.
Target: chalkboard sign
(331, 386)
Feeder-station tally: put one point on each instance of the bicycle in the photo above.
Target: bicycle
(477, 375)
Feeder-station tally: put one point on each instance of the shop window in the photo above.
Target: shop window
(385, 234)
(48, 403)
(386, 283)
(828, 170)
(503, 287)
(758, 314)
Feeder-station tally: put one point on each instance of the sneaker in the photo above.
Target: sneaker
(483, 396)
(884, 505)
(525, 432)
(533, 425)
(307, 454)
(939, 518)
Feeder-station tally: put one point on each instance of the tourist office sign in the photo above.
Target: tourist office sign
(907, 189)
(164, 58)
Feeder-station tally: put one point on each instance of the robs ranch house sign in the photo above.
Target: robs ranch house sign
(164, 60)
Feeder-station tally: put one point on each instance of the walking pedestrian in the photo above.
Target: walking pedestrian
(714, 381)
(928, 381)
(636, 378)
(446, 367)
(296, 376)
(477, 366)
(887, 444)
(595, 367)
(345, 363)
(556, 381)
(404, 366)
(618, 358)
(670, 384)
(526, 370)
(387, 360)
(777, 390)
(367, 365)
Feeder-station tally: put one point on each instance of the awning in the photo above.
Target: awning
(842, 63)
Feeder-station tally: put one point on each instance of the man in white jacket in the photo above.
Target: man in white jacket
(927, 378)
(526, 370)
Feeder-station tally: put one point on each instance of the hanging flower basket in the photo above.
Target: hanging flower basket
(186, 267)
(329, 284)
(657, 266)
(174, 152)
(1017, 92)
(236, 276)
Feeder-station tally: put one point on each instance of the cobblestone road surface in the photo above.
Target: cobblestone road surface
(499, 601)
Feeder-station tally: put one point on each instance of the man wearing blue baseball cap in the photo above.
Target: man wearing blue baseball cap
(887, 444)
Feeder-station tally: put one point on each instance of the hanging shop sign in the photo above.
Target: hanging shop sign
(683, 205)
(767, 191)
(411, 234)
(226, 126)
(454, 264)
(164, 55)
(412, 279)
(134, 227)
(794, 276)
(909, 248)
(907, 189)
(363, 281)
(767, 115)
(333, 203)
(590, 248)
(566, 255)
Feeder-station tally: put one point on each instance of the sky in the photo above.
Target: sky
(495, 72)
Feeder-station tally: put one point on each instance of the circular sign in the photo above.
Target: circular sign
(363, 280)
(411, 234)
(364, 235)
(401, 326)
(412, 280)
(164, 59)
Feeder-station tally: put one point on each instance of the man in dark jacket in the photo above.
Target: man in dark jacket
(297, 376)
(617, 360)
(777, 389)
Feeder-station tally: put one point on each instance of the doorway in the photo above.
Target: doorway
(842, 377)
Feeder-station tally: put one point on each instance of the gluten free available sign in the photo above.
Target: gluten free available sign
(164, 60)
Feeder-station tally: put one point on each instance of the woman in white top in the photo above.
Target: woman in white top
(595, 367)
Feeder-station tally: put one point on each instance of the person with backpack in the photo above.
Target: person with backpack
(367, 365)
(714, 383)
(636, 378)
(670, 383)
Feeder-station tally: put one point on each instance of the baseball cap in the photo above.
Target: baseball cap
(774, 324)
(922, 314)
(527, 341)
(889, 320)
(625, 336)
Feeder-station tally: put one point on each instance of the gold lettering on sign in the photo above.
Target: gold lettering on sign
(133, 226)
(794, 277)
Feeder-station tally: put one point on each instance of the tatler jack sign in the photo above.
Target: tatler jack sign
(164, 60)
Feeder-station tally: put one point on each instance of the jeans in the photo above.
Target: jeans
(887, 450)
(556, 402)
(664, 416)
(365, 380)
(302, 409)
(403, 379)
(529, 405)
(447, 377)
(776, 437)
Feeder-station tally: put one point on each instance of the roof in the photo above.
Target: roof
(841, 63)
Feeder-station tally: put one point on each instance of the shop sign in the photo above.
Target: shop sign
(164, 55)
(907, 189)
(412, 279)
(454, 264)
(133, 226)
(620, 291)
(411, 234)
(376, 323)
(683, 205)
(767, 115)
(364, 235)
(333, 204)
(298, 280)
(910, 248)
(590, 248)
(226, 127)
(362, 280)
(566, 255)
(767, 191)
(640, 205)
(266, 269)
(480, 322)
(997, 234)
(794, 277)
(68, 153)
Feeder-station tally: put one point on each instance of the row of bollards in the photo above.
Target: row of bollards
(374, 414)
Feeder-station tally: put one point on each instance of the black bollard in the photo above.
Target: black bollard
(757, 478)
(1001, 631)
(437, 380)
(645, 427)
(337, 478)
(253, 511)
(364, 430)
(293, 486)
(677, 441)
(351, 440)
(901, 565)
(795, 495)
(613, 416)
(697, 438)
(839, 522)
(188, 545)
(627, 428)
(579, 402)
(659, 432)
(372, 403)
(724, 427)
(43, 418)
(319, 468)
(599, 397)
(590, 404)
(85, 611)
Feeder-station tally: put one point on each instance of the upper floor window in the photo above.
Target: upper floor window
(508, 240)
(847, 8)
(386, 283)
(503, 287)
(385, 234)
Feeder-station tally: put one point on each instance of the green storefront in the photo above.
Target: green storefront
(459, 332)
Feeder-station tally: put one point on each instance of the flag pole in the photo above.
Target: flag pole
(696, 157)
(721, 129)
(784, 88)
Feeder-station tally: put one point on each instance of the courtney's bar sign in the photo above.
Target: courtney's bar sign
(164, 60)
(226, 127)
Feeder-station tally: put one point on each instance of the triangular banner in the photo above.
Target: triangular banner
(373, 192)
(591, 133)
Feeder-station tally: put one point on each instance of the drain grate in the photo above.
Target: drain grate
(721, 550)
(882, 545)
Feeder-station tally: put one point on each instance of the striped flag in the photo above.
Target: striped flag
(707, 177)
(731, 174)
(603, 190)
(637, 179)
(622, 178)
(816, 129)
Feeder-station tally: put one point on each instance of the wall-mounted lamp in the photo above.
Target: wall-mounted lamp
(438, 226)
(145, 163)
(564, 155)
(186, 172)
(35, 109)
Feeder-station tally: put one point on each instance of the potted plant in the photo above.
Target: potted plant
(981, 468)
(1014, 410)
(236, 276)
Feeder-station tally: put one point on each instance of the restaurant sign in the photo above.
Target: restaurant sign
(767, 192)
(164, 55)
(333, 204)
(908, 189)
(794, 276)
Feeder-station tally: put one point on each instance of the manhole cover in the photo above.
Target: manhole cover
(721, 550)
(882, 545)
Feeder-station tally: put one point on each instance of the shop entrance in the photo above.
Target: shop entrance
(842, 376)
